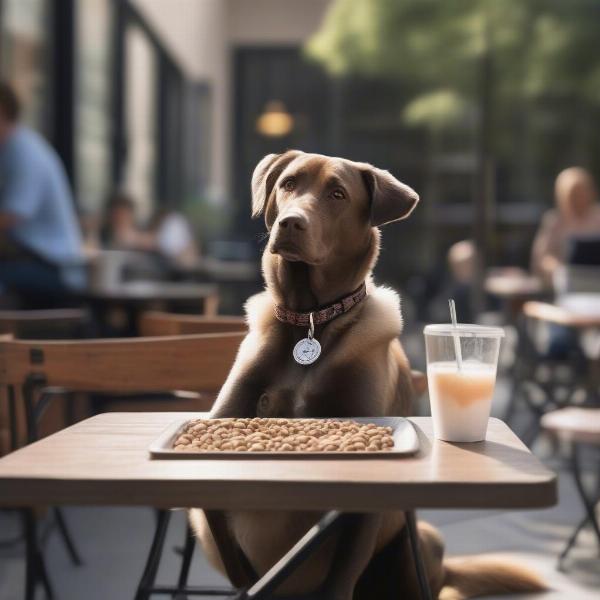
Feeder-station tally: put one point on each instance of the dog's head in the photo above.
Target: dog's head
(317, 206)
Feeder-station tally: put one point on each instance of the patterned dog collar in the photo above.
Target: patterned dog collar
(322, 315)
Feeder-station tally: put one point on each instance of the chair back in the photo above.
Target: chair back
(191, 363)
(62, 323)
(156, 323)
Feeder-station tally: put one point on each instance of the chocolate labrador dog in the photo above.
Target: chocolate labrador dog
(323, 342)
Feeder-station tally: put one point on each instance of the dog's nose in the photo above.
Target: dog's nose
(293, 222)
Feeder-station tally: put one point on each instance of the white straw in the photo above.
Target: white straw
(455, 336)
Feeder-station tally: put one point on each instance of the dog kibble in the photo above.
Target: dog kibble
(283, 435)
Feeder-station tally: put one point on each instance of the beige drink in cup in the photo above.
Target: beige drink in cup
(461, 388)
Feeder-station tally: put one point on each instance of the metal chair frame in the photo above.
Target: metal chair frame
(264, 587)
(589, 503)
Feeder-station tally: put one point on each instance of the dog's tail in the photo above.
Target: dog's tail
(473, 576)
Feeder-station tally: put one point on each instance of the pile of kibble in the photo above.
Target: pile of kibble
(283, 435)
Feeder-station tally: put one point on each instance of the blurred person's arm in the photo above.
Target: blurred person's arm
(20, 194)
(546, 251)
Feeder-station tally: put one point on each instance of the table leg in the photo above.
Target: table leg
(571, 542)
(186, 562)
(67, 537)
(152, 563)
(12, 415)
(413, 536)
(589, 506)
(314, 537)
(35, 568)
(587, 503)
(211, 305)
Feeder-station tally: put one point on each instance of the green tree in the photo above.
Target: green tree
(485, 58)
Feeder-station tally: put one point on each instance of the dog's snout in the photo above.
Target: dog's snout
(297, 222)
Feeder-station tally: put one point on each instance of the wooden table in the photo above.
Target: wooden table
(512, 286)
(565, 312)
(161, 291)
(577, 311)
(136, 296)
(104, 461)
(512, 282)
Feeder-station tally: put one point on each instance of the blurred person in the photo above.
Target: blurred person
(462, 261)
(41, 253)
(168, 235)
(577, 214)
(174, 239)
(120, 230)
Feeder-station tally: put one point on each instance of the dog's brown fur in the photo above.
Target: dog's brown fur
(322, 214)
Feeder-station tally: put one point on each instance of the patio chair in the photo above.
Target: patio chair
(63, 323)
(578, 426)
(542, 382)
(156, 323)
(59, 323)
(198, 363)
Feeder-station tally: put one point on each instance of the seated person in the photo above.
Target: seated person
(174, 239)
(462, 261)
(169, 234)
(41, 254)
(120, 230)
(577, 214)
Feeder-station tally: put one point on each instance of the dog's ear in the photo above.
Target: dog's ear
(391, 200)
(263, 179)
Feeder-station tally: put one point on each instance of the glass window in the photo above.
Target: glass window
(25, 50)
(93, 123)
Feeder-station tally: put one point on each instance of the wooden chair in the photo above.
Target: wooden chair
(578, 426)
(62, 323)
(70, 323)
(153, 323)
(193, 363)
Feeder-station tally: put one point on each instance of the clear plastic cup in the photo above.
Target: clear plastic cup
(461, 397)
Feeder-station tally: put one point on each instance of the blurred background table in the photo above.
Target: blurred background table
(512, 286)
(118, 307)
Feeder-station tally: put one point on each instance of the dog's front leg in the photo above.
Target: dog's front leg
(355, 549)
(238, 398)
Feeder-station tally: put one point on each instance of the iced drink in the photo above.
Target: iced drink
(461, 396)
(461, 400)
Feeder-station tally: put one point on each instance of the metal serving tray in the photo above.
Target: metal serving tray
(405, 438)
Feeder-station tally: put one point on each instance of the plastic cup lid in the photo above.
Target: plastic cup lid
(464, 330)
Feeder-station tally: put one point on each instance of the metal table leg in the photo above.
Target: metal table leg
(35, 569)
(312, 539)
(186, 562)
(67, 537)
(588, 504)
(152, 563)
(264, 588)
(571, 542)
(413, 536)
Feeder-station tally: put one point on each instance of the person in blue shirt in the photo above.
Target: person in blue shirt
(41, 252)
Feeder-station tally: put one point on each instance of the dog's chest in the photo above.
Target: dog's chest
(300, 391)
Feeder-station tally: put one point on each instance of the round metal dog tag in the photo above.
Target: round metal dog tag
(306, 351)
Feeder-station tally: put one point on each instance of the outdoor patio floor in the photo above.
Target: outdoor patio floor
(114, 543)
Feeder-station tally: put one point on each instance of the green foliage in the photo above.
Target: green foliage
(538, 49)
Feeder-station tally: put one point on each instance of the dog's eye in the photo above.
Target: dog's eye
(289, 184)
(338, 194)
